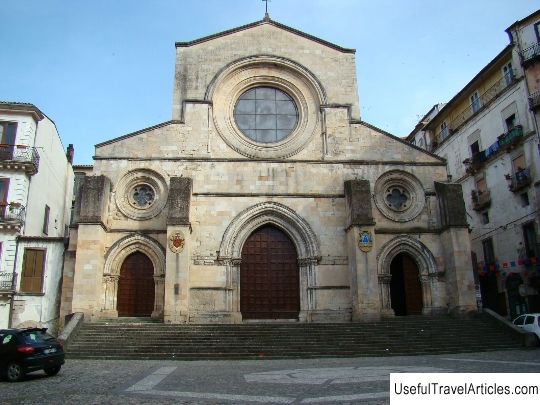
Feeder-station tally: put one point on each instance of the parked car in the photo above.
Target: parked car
(529, 322)
(25, 350)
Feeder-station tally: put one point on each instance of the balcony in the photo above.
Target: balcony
(12, 216)
(19, 157)
(506, 141)
(7, 282)
(530, 54)
(534, 101)
(481, 199)
(519, 180)
(511, 138)
(489, 95)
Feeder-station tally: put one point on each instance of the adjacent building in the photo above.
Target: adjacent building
(489, 138)
(266, 197)
(36, 182)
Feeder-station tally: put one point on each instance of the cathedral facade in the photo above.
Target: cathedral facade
(266, 198)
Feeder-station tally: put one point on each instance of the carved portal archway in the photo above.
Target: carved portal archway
(427, 269)
(294, 226)
(114, 259)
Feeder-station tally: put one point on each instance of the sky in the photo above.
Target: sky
(101, 69)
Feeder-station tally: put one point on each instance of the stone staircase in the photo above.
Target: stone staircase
(139, 339)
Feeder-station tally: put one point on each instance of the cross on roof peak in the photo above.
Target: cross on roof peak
(266, 15)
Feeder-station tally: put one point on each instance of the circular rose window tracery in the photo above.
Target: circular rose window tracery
(266, 114)
(399, 196)
(279, 122)
(141, 194)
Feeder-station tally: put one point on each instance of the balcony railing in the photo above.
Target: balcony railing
(489, 95)
(519, 180)
(506, 141)
(511, 137)
(15, 156)
(534, 101)
(7, 281)
(531, 53)
(481, 199)
(12, 215)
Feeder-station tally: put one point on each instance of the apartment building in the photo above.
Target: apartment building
(489, 138)
(36, 183)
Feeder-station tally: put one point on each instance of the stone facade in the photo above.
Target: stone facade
(190, 192)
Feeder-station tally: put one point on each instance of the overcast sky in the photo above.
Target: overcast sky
(104, 68)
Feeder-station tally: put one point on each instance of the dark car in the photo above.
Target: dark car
(25, 350)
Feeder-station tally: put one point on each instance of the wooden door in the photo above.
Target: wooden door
(405, 287)
(413, 288)
(136, 286)
(269, 281)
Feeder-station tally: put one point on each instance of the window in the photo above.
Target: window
(475, 148)
(33, 269)
(529, 237)
(524, 199)
(518, 164)
(444, 130)
(475, 102)
(508, 73)
(485, 218)
(481, 183)
(266, 114)
(46, 220)
(4, 186)
(510, 122)
(489, 253)
(8, 130)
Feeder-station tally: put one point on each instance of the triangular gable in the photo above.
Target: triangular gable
(259, 23)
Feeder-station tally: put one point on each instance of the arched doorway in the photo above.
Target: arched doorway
(269, 280)
(136, 286)
(405, 287)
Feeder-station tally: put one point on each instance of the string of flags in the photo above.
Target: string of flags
(500, 269)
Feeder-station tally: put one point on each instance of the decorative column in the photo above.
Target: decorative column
(176, 299)
(365, 289)
(426, 281)
(110, 292)
(384, 288)
(232, 285)
(159, 292)
(308, 285)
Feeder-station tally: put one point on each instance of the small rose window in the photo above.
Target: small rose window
(397, 198)
(142, 196)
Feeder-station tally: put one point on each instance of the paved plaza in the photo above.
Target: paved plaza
(314, 381)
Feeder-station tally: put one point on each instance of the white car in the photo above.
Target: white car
(529, 322)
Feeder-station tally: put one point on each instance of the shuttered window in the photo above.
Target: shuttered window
(33, 267)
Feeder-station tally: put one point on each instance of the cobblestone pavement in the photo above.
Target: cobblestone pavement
(327, 381)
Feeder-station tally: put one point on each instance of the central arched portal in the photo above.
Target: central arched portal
(136, 287)
(405, 287)
(269, 280)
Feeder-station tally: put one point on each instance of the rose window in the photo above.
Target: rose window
(397, 198)
(142, 196)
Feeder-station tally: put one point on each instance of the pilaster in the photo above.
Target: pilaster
(366, 305)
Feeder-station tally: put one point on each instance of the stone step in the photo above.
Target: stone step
(407, 335)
